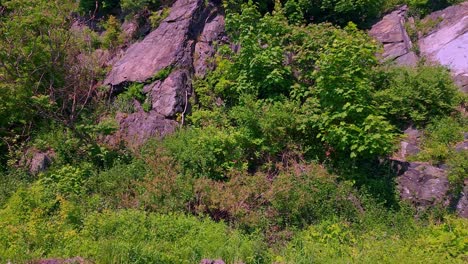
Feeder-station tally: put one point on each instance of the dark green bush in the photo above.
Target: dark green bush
(103, 6)
(346, 120)
(416, 96)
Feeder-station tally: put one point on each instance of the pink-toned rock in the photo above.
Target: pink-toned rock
(391, 32)
(136, 128)
(169, 45)
(447, 43)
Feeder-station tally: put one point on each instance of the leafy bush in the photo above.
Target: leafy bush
(416, 96)
(440, 138)
(338, 242)
(133, 6)
(112, 37)
(209, 152)
(125, 102)
(103, 6)
(347, 121)
(144, 238)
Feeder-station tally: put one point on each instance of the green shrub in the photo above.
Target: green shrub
(338, 242)
(157, 17)
(103, 6)
(440, 138)
(137, 237)
(346, 120)
(208, 152)
(115, 185)
(125, 102)
(416, 96)
(134, 6)
(113, 36)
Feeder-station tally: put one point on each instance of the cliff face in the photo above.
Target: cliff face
(445, 43)
(181, 48)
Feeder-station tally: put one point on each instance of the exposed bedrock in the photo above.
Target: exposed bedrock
(182, 47)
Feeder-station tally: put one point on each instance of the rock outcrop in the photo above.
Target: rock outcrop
(37, 161)
(181, 47)
(136, 128)
(447, 44)
(391, 32)
(424, 185)
(410, 145)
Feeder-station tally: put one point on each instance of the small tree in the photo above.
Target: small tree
(348, 121)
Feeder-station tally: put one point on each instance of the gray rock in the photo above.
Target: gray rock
(169, 45)
(390, 31)
(213, 32)
(184, 42)
(424, 185)
(462, 205)
(410, 145)
(170, 96)
(130, 28)
(462, 146)
(136, 128)
(38, 161)
(447, 44)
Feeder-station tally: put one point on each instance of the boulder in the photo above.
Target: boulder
(462, 146)
(390, 31)
(135, 129)
(38, 161)
(447, 44)
(424, 185)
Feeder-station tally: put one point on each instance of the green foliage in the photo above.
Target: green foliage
(416, 96)
(280, 160)
(337, 242)
(162, 74)
(440, 138)
(347, 121)
(208, 152)
(113, 35)
(122, 236)
(125, 102)
(158, 16)
(67, 180)
(153, 238)
(94, 6)
(458, 169)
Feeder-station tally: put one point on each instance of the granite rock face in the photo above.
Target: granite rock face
(182, 46)
(391, 32)
(213, 33)
(38, 161)
(447, 44)
(169, 45)
(424, 185)
(136, 128)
